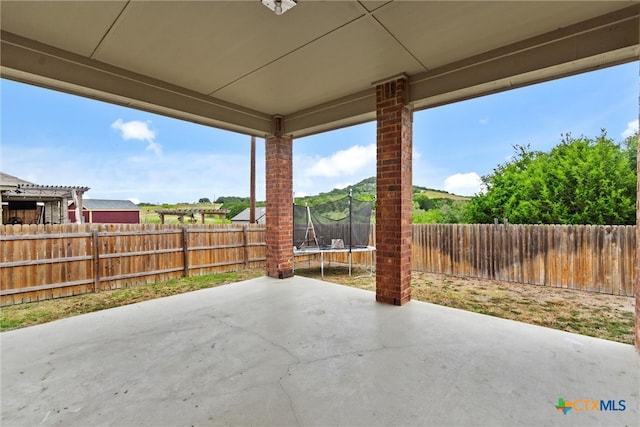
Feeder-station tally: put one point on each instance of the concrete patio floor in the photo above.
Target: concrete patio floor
(305, 352)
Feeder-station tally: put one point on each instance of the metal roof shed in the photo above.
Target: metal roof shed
(243, 217)
(100, 211)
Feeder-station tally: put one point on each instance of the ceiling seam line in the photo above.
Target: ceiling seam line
(382, 6)
(109, 30)
(285, 55)
(400, 43)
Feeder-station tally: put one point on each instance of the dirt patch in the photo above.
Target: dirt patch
(597, 315)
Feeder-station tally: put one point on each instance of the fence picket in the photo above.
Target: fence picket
(630, 262)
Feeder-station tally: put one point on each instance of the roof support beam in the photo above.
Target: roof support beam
(597, 43)
(35, 63)
(347, 111)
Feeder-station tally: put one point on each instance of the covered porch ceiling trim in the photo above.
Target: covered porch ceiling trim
(607, 40)
(39, 64)
(590, 45)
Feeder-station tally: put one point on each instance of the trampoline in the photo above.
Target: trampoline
(339, 226)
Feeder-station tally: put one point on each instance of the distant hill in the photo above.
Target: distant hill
(438, 194)
(439, 206)
(363, 190)
(366, 190)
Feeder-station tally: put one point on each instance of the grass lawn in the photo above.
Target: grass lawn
(148, 214)
(603, 316)
(18, 316)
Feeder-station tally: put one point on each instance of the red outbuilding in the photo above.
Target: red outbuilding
(99, 211)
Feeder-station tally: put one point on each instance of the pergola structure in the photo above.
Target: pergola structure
(55, 198)
(319, 66)
(181, 213)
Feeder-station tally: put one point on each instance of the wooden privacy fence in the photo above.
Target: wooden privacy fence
(43, 262)
(584, 257)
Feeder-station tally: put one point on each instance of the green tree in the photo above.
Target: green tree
(432, 216)
(228, 199)
(235, 207)
(424, 202)
(505, 188)
(580, 181)
(204, 200)
(454, 212)
(443, 211)
(631, 150)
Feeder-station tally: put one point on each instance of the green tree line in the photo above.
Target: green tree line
(579, 181)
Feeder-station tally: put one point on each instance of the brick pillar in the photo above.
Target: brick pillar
(252, 183)
(394, 193)
(637, 326)
(279, 214)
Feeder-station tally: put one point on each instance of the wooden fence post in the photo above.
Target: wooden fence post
(96, 260)
(245, 243)
(185, 250)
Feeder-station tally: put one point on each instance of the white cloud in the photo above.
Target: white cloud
(313, 174)
(347, 162)
(632, 129)
(342, 185)
(150, 179)
(155, 147)
(483, 121)
(136, 129)
(464, 184)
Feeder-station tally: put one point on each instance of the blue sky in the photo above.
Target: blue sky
(52, 138)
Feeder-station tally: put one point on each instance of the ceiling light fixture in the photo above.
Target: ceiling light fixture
(279, 6)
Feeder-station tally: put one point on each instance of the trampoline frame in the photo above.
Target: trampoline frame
(328, 249)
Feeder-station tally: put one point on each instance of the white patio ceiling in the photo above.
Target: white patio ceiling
(235, 64)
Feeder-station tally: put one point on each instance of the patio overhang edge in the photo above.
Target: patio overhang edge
(597, 43)
(587, 46)
(35, 63)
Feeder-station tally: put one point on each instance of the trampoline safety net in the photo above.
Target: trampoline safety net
(343, 223)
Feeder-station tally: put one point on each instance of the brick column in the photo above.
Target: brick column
(279, 214)
(252, 183)
(637, 326)
(394, 193)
